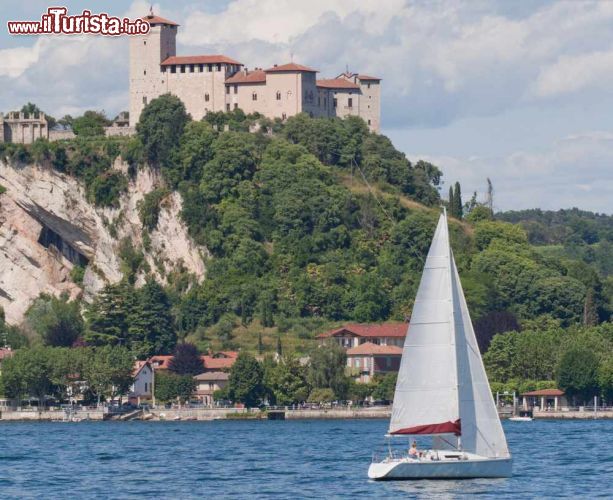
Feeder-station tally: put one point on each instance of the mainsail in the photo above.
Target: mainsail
(442, 387)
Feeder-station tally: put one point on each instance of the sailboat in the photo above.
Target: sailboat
(442, 389)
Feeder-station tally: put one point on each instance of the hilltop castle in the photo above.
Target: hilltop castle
(219, 83)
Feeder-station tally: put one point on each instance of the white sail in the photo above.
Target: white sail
(482, 432)
(426, 390)
(442, 384)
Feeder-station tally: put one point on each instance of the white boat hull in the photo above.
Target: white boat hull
(444, 469)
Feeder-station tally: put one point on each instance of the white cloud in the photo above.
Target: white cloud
(17, 60)
(573, 73)
(574, 171)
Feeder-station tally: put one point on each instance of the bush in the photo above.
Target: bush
(149, 208)
(321, 395)
(106, 189)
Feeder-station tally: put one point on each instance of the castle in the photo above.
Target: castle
(219, 83)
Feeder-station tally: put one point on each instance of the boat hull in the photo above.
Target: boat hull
(425, 469)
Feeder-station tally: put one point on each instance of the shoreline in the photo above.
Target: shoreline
(210, 414)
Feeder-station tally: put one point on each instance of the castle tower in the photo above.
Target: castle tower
(146, 54)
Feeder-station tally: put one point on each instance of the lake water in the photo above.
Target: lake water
(283, 459)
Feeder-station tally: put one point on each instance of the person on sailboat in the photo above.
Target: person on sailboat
(413, 453)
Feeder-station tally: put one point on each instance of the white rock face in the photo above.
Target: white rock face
(38, 197)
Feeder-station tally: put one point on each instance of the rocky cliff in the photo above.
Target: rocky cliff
(47, 226)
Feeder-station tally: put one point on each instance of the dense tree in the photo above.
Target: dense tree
(107, 318)
(170, 386)
(321, 395)
(385, 387)
(246, 384)
(11, 335)
(186, 360)
(28, 373)
(327, 370)
(57, 321)
(160, 128)
(151, 327)
(492, 323)
(457, 210)
(578, 373)
(108, 371)
(286, 381)
(91, 124)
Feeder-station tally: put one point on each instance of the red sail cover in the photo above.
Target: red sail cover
(444, 428)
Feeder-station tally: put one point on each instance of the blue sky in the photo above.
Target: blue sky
(520, 92)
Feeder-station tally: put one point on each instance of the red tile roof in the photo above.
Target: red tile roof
(151, 19)
(206, 59)
(6, 353)
(160, 362)
(337, 83)
(217, 361)
(290, 67)
(220, 361)
(545, 392)
(368, 348)
(212, 376)
(257, 76)
(366, 77)
(369, 330)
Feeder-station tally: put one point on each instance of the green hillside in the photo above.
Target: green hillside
(315, 222)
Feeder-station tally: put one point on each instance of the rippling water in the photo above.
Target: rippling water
(316, 459)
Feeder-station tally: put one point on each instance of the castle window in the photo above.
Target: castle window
(368, 85)
(219, 67)
(200, 68)
(145, 72)
(284, 116)
(350, 102)
(369, 122)
(182, 68)
(278, 95)
(235, 105)
(254, 97)
(227, 90)
(236, 89)
(173, 69)
(163, 69)
(334, 102)
(228, 107)
(191, 68)
(145, 42)
(209, 68)
(206, 97)
(145, 100)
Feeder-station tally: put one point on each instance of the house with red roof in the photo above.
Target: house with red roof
(354, 334)
(372, 348)
(218, 361)
(217, 82)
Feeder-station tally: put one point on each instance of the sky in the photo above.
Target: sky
(520, 92)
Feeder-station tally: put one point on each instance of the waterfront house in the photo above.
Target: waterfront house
(367, 360)
(353, 335)
(209, 382)
(142, 387)
(544, 400)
